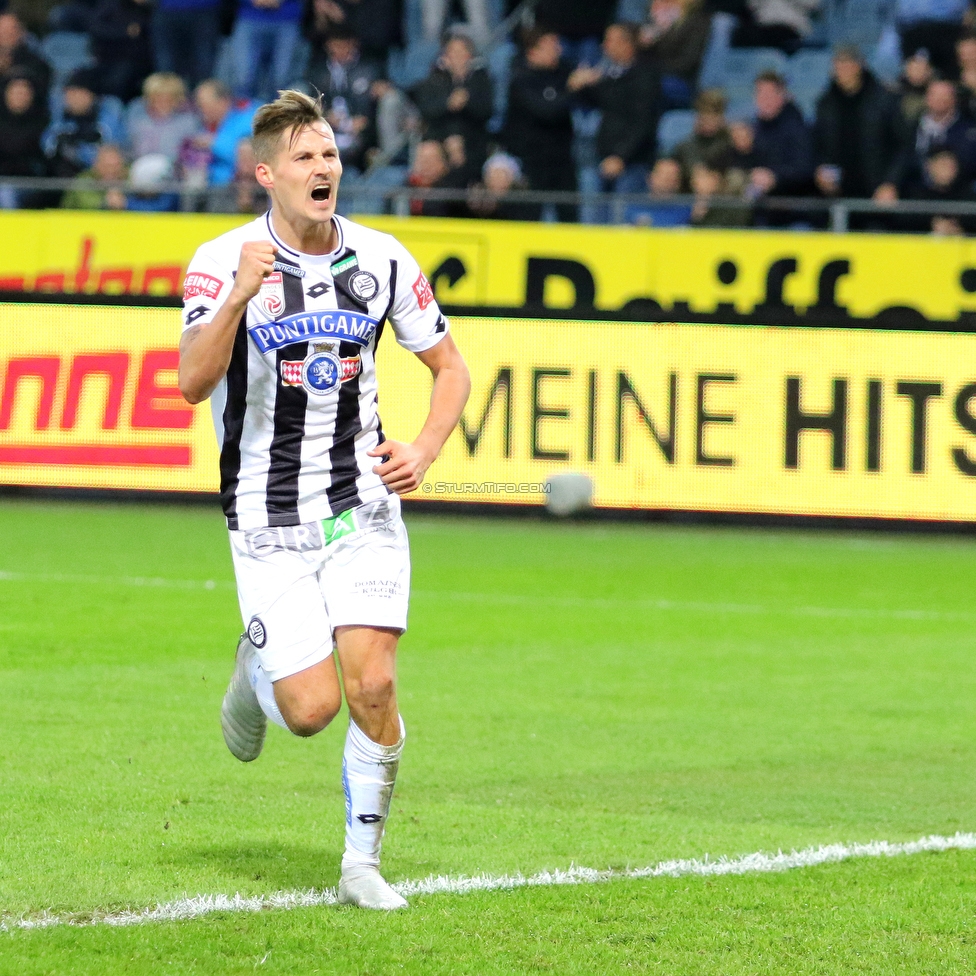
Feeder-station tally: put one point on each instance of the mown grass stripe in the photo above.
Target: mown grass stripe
(185, 909)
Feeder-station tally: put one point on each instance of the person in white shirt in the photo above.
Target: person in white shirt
(281, 321)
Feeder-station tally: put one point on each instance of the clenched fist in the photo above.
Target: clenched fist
(256, 263)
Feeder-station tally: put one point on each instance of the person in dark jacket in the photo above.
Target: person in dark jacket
(940, 181)
(120, 43)
(17, 57)
(456, 99)
(23, 119)
(579, 23)
(782, 146)
(857, 133)
(347, 83)
(710, 142)
(675, 37)
(539, 127)
(626, 89)
(941, 125)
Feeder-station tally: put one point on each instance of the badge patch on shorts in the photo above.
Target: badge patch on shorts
(256, 632)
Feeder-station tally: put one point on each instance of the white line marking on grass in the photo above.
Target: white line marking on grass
(759, 863)
(148, 581)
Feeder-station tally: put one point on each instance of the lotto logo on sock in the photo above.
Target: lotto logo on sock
(256, 632)
(369, 818)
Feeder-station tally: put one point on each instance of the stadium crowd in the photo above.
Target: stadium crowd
(697, 109)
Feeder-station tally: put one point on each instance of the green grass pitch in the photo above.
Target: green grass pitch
(604, 695)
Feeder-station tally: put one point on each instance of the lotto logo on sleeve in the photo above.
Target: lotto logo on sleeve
(423, 291)
(201, 284)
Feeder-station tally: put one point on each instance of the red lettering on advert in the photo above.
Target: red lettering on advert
(423, 291)
(157, 405)
(201, 284)
(45, 368)
(114, 365)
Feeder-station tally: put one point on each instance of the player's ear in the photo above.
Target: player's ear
(262, 173)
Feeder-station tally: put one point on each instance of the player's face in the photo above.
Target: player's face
(304, 177)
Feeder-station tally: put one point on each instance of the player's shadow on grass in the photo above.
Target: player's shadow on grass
(281, 866)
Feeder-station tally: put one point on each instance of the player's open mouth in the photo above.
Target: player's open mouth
(321, 193)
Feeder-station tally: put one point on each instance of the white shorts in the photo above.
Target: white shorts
(297, 583)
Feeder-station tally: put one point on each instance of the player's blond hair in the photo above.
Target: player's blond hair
(291, 112)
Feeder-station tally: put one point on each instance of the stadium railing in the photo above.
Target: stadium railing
(615, 208)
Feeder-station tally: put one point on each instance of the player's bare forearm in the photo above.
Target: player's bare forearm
(205, 350)
(406, 464)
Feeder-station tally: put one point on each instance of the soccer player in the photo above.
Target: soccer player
(281, 321)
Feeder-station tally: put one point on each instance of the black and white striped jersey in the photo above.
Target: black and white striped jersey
(297, 411)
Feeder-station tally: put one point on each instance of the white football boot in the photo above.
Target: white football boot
(363, 886)
(241, 719)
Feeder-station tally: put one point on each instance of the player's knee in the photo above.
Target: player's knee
(310, 718)
(373, 688)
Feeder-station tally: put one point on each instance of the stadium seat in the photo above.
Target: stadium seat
(712, 72)
(66, 51)
(743, 64)
(857, 21)
(808, 75)
(408, 66)
(500, 59)
(675, 126)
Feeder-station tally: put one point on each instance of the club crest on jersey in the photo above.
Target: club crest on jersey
(322, 371)
(273, 294)
(364, 285)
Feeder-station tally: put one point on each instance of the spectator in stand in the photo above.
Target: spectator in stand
(539, 124)
(858, 132)
(16, 55)
(742, 158)
(145, 177)
(120, 42)
(933, 26)
(664, 183)
(23, 119)
(626, 90)
(431, 169)
(377, 24)
(710, 142)
(782, 143)
(941, 126)
(675, 37)
(708, 180)
(109, 165)
(775, 23)
(350, 86)
(84, 122)
(160, 121)
(266, 33)
(457, 99)
(581, 24)
(185, 35)
(966, 61)
(434, 14)
(227, 124)
(486, 199)
(243, 194)
(941, 182)
(914, 82)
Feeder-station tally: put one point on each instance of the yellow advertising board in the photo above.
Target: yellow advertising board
(681, 274)
(791, 421)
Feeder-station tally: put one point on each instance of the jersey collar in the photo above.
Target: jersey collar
(296, 254)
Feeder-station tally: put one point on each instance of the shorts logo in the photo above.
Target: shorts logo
(201, 284)
(364, 285)
(256, 632)
(423, 291)
(273, 294)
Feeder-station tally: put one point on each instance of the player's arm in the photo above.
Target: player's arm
(407, 464)
(205, 350)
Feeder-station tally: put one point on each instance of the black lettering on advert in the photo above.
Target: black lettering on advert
(833, 422)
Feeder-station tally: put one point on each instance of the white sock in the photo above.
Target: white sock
(369, 773)
(263, 688)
